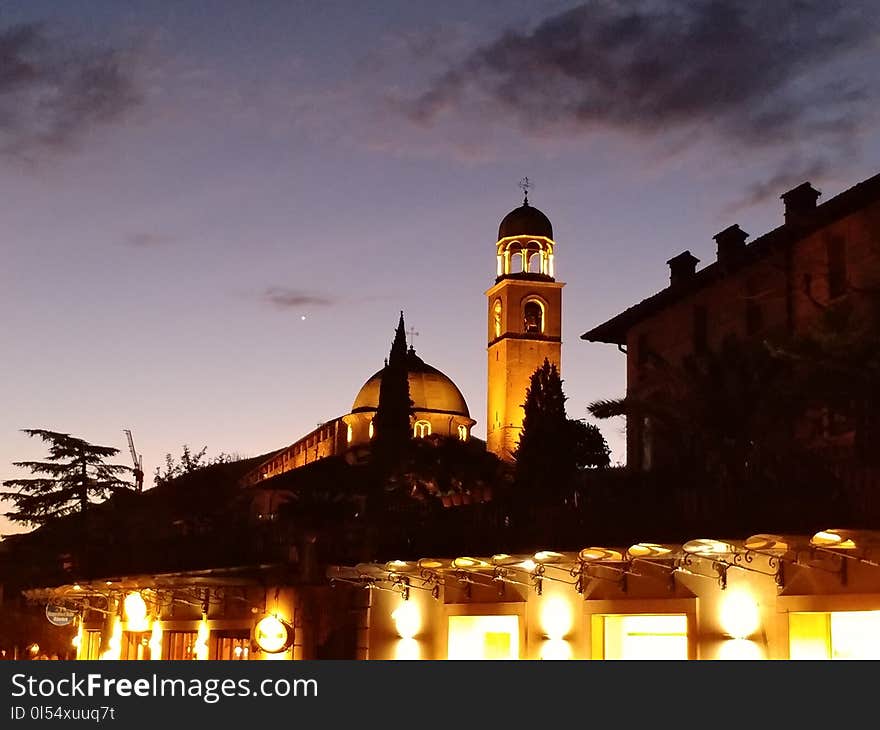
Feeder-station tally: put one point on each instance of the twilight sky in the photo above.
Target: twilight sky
(213, 211)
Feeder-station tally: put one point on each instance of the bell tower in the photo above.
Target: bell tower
(524, 323)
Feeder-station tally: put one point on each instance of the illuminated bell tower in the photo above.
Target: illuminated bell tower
(525, 321)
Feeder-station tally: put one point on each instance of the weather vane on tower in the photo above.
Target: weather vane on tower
(526, 185)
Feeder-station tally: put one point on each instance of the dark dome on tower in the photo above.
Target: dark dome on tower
(525, 221)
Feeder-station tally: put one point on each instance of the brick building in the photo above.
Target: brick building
(773, 287)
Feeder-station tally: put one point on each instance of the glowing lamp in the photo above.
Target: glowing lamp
(556, 617)
(407, 620)
(739, 616)
(557, 649)
(272, 634)
(706, 547)
(838, 539)
(135, 612)
(648, 550)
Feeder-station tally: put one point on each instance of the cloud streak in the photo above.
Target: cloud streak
(287, 298)
(53, 93)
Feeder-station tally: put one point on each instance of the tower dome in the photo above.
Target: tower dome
(525, 221)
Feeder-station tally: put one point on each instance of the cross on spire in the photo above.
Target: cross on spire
(412, 334)
(526, 185)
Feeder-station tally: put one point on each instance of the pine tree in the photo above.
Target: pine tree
(73, 476)
(392, 420)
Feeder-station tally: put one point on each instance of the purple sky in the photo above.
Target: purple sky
(213, 211)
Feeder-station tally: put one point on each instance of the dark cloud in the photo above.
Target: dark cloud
(147, 240)
(52, 93)
(790, 174)
(285, 298)
(758, 73)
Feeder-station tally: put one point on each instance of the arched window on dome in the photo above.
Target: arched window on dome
(372, 430)
(421, 429)
(349, 434)
(533, 317)
(462, 432)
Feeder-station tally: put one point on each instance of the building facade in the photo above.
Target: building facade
(776, 286)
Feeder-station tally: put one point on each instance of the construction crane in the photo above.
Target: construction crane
(138, 462)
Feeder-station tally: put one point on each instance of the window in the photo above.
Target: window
(836, 251)
(497, 317)
(232, 645)
(647, 444)
(754, 313)
(533, 317)
(700, 328)
(179, 645)
(135, 645)
(483, 637)
(644, 636)
(643, 349)
(421, 429)
(834, 635)
(91, 645)
(372, 430)
(462, 433)
(349, 434)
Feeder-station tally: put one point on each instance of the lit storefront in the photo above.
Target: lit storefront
(209, 615)
(767, 597)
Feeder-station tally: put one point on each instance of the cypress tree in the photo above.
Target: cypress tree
(392, 420)
(553, 448)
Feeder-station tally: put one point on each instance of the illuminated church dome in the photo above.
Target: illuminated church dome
(430, 390)
(525, 221)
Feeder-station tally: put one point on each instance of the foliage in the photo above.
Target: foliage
(188, 463)
(74, 476)
(553, 449)
(723, 418)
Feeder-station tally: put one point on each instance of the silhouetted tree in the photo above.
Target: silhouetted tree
(392, 420)
(189, 462)
(73, 476)
(554, 448)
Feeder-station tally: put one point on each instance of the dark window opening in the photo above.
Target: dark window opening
(836, 250)
(700, 329)
(643, 349)
(533, 317)
(754, 313)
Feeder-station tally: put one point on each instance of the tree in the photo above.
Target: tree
(392, 419)
(553, 449)
(189, 462)
(73, 477)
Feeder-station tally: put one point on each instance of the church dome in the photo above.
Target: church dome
(525, 221)
(429, 390)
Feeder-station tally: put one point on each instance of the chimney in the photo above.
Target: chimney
(682, 267)
(731, 243)
(799, 203)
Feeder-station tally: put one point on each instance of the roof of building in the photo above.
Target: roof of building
(525, 221)
(615, 329)
(429, 390)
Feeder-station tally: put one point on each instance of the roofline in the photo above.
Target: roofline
(614, 330)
